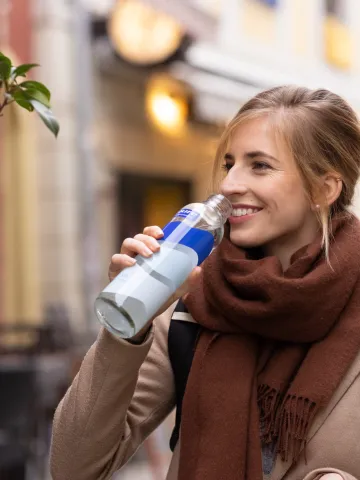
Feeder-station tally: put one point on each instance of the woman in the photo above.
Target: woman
(265, 369)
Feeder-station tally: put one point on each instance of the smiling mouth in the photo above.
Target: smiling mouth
(241, 212)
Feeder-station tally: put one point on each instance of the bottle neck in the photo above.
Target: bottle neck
(221, 205)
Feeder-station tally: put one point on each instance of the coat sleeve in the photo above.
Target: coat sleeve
(121, 393)
(320, 472)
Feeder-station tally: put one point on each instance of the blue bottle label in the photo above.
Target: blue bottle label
(188, 213)
(201, 241)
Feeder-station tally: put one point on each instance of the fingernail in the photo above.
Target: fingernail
(147, 252)
(132, 261)
(160, 232)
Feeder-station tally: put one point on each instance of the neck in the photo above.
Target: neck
(283, 248)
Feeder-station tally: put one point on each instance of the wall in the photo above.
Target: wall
(19, 202)
(59, 178)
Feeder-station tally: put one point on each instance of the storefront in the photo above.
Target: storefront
(169, 75)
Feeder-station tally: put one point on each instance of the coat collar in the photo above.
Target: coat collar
(281, 468)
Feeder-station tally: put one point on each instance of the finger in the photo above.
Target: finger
(118, 263)
(190, 283)
(150, 242)
(194, 276)
(120, 260)
(134, 247)
(181, 291)
(153, 231)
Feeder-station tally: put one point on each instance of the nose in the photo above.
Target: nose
(232, 186)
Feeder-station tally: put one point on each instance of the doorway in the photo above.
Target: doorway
(145, 200)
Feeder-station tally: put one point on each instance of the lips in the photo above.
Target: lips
(243, 213)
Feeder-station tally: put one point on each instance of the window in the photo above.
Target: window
(270, 3)
(259, 20)
(336, 8)
(337, 38)
(145, 200)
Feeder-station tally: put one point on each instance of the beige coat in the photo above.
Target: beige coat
(123, 392)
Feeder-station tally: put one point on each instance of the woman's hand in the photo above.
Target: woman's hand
(146, 244)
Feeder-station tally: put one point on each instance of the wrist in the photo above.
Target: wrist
(140, 337)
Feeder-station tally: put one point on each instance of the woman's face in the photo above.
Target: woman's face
(270, 205)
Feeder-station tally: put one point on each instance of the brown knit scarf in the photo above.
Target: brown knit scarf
(274, 347)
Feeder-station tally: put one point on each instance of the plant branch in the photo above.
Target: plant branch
(29, 94)
(3, 105)
(6, 99)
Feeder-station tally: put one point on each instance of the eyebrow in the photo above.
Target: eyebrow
(252, 155)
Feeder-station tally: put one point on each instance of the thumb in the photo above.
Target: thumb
(194, 277)
(192, 281)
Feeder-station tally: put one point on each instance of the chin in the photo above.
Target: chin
(247, 241)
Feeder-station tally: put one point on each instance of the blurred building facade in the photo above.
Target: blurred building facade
(61, 177)
(160, 107)
(19, 273)
(140, 105)
(142, 89)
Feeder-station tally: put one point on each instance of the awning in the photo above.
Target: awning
(195, 22)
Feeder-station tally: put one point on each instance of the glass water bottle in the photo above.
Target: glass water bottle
(133, 298)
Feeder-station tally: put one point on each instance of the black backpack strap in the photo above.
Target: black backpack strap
(183, 335)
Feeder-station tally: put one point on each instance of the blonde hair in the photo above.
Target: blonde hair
(322, 133)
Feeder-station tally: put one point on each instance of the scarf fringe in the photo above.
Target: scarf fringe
(286, 423)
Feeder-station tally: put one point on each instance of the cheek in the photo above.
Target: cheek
(293, 206)
(287, 191)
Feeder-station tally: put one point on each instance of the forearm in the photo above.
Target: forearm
(89, 422)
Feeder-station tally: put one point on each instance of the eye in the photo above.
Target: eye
(261, 166)
(226, 166)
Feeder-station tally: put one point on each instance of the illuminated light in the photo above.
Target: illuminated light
(141, 34)
(167, 104)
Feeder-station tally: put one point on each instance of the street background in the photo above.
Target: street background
(142, 89)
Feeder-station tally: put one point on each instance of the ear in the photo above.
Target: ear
(332, 186)
(327, 191)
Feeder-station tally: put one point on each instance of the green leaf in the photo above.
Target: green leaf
(21, 100)
(23, 69)
(46, 116)
(34, 85)
(5, 67)
(31, 93)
